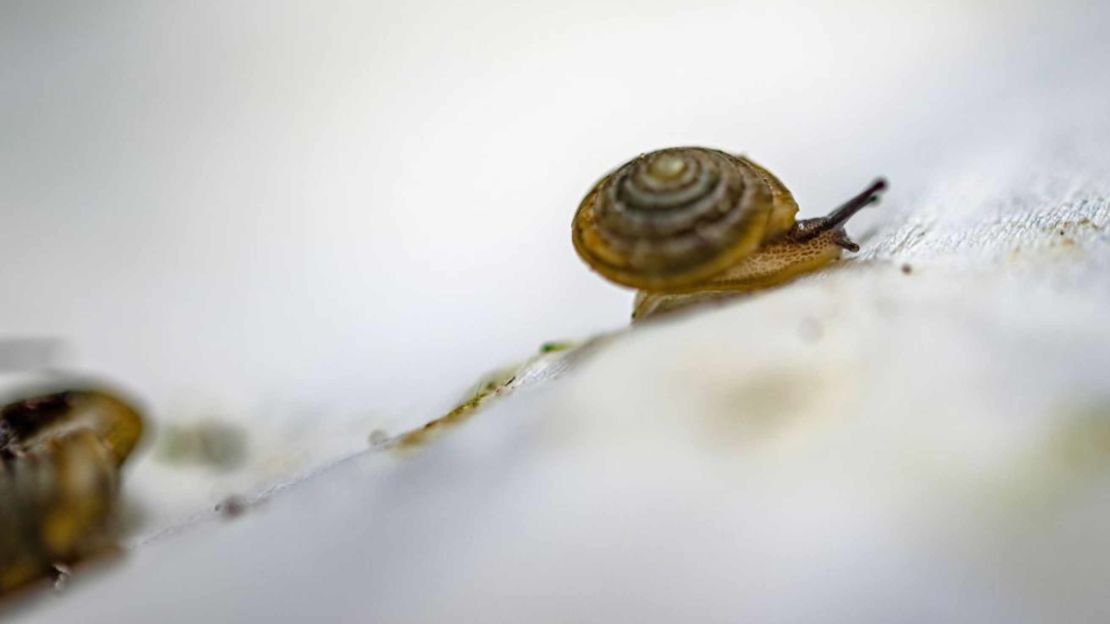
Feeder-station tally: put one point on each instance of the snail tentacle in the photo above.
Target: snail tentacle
(808, 229)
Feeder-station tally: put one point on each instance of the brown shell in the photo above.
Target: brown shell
(671, 219)
(32, 422)
(59, 479)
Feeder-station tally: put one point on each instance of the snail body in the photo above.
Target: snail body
(686, 224)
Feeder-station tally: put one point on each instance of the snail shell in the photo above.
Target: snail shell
(694, 220)
(671, 219)
(59, 478)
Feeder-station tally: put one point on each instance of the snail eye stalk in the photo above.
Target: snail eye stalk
(811, 228)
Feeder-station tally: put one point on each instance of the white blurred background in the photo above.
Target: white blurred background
(338, 214)
(316, 219)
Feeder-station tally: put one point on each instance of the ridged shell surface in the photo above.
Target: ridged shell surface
(672, 218)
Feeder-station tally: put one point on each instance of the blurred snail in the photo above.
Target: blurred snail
(686, 224)
(60, 456)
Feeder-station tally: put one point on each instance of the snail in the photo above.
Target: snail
(60, 456)
(687, 224)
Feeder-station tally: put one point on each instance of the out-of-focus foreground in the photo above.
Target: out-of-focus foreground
(314, 223)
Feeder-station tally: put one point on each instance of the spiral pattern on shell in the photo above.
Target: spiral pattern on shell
(672, 218)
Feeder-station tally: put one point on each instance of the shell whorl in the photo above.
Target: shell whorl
(672, 218)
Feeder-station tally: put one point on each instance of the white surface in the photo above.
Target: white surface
(242, 207)
(315, 220)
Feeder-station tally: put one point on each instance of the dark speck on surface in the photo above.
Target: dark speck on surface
(232, 507)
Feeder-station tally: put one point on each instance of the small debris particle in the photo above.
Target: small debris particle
(555, 345)
(907, 268)
(378, 438)
(231, 507)
(59, 575)
(213, 443)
